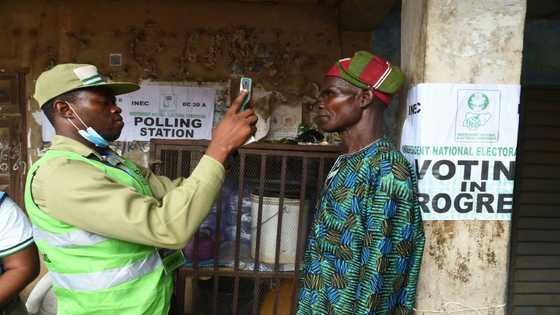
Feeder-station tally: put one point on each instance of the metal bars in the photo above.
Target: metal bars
(269, 182)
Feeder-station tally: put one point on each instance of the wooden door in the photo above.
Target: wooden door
(13, 154)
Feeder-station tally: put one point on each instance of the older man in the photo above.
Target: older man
(365, 246)
(98, 218)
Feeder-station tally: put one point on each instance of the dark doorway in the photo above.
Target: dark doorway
(535, 246)
(534, 277)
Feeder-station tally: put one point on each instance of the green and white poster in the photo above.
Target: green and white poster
(167, 111)
(462, 140)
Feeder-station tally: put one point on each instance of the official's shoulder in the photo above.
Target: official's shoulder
(63, 169)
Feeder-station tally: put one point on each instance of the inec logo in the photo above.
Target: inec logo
(478, 115)
(168, 103)
(478, 103)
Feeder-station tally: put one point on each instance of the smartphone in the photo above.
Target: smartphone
(246, 83)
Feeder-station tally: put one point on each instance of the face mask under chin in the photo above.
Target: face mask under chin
(89, 134)
(92, 136)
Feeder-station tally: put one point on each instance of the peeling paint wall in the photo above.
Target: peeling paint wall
(413, 40)
(413, 52)
(464, 262)
(474, 41)
(452, 41)
(284, 47)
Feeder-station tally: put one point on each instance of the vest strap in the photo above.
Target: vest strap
(70, 239)
(108, 278)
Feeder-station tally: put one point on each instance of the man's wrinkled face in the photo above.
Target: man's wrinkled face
(339, 107)
(98, 109)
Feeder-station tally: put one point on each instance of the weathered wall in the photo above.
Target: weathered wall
(284, 47)
(413, 52)
(454, 41)
(413, 40)
(474, 41)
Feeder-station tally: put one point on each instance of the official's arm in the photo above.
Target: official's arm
(94, 202)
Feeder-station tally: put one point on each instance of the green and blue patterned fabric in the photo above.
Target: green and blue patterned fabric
(366, 242)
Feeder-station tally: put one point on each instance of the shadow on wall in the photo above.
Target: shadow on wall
(386, 43)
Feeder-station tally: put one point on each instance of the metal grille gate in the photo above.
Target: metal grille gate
(285, 172)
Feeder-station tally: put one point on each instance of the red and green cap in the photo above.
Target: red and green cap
(367, 71)
(68, 77)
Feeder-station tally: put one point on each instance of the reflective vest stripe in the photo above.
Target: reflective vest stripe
(70, 239)
(107, 278)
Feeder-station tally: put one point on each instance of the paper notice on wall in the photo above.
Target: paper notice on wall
(47, 129)
(163, 111)
(285, 121)
(462, 139)
(166, 111)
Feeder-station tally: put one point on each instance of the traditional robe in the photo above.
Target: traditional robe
(366, 242)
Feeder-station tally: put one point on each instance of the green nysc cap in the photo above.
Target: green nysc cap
(68, 77)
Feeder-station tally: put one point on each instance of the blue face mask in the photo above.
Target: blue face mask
(89, 134)
(92, 136)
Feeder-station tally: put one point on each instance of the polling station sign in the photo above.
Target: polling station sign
(167, 111)
(461, 139)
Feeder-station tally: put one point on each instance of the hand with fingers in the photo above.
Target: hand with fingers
(233, 131)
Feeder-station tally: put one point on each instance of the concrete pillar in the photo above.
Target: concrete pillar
(454, 41)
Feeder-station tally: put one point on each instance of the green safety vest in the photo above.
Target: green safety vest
(93, 274)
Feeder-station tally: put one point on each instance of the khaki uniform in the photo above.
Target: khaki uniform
(83, 196)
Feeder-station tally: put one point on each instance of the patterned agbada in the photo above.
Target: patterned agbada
(366, 242)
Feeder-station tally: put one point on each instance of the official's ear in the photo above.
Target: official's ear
(366, 98)
(62, 109)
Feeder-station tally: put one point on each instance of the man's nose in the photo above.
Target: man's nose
(116, 109)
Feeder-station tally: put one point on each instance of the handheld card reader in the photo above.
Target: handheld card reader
(246, 84)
